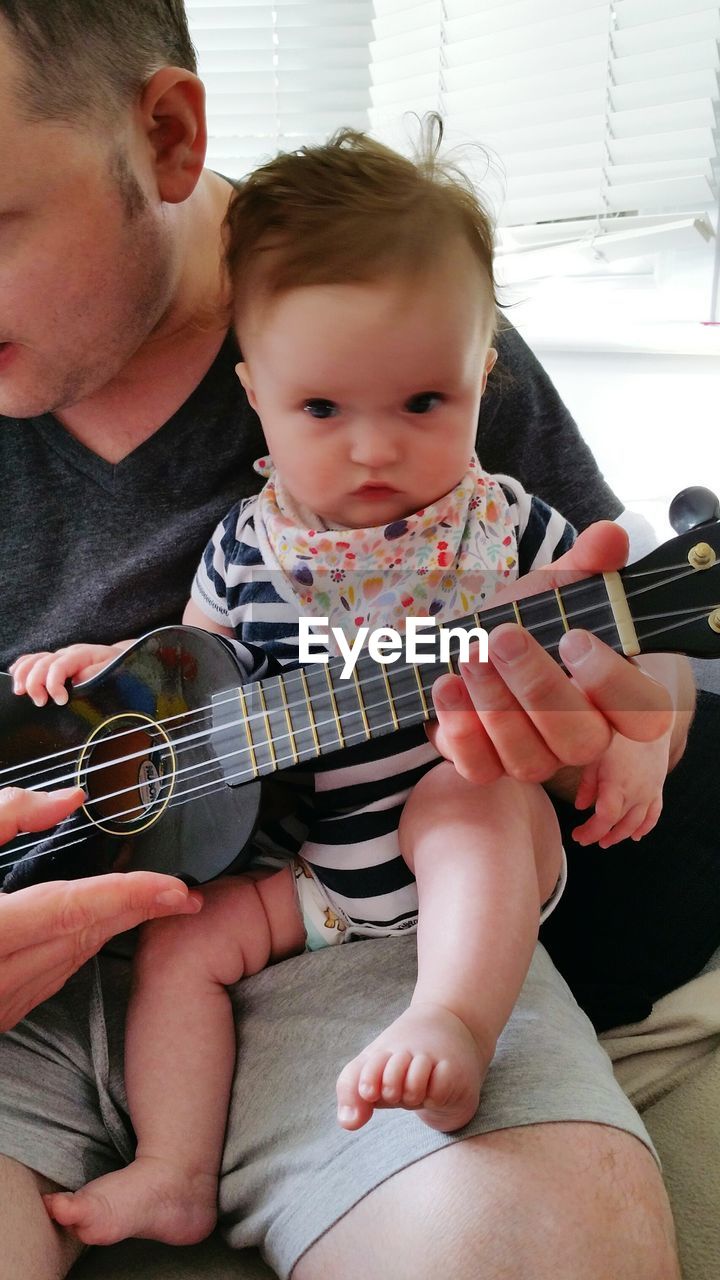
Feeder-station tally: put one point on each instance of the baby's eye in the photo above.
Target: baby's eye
(321, 408)
(423, 402)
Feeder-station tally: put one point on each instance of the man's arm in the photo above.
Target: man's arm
(49, 930)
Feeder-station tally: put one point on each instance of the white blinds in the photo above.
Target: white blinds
(595, 107)
(279, 75)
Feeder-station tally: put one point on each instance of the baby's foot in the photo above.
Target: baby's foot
(150, 1198)
(426, 1061)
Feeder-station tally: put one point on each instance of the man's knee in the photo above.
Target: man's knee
(553, 1201)
(33, 1247)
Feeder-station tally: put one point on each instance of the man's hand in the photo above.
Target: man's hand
(520, 715)
(48, 931)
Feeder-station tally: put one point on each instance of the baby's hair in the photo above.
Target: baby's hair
(351, 211)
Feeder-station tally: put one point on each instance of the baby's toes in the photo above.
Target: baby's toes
(352, 1109)
(394, 1075)
(417, 1081)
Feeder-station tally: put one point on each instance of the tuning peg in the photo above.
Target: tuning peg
(692, 508)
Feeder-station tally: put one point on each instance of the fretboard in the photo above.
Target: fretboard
(310, 711)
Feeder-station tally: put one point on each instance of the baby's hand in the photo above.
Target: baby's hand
(44, 674)
(625, 786)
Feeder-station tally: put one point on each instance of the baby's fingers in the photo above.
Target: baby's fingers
(608, 810)
(35, 678)
(21, 667)
(653, 813)
(631, 822)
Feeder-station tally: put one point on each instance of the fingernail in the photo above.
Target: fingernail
(575, 647)
(346, 1114)
(509, 645)
(172, 898)
(450, 696)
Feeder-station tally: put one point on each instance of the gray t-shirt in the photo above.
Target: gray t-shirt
(100, 552)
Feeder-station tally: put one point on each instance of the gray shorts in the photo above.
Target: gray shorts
(289, 1172)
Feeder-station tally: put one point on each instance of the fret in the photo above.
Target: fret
(348, 700)
(516, 611)
(544, 620)
(333, 704)
(248, 731)
(391, 700)
(427, 675)
(279, 722)
(421, 691)
(378, 711)
(229, 740)
(561, 607)
(361, 704)
(288, 718)
(257, 728)
(266, 724)
(299, 712)
(451, 669)
(408, 694)
(323, 710)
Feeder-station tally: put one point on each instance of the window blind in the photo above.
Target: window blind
(600, 116)
(279, 75)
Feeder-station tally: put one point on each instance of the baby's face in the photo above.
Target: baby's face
(369, 393)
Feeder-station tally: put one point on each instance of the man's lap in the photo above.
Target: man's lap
(289, 1172)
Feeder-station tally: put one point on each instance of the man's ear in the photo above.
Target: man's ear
(172, 108)
(243, 372)
(490, 359)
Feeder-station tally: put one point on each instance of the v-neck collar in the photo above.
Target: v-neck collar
(115, 477)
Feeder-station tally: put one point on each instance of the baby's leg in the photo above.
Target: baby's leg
(179, 1060)
(485, 859)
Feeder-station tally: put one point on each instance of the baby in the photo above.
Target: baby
(364, 306)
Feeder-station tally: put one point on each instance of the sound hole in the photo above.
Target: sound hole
(127, 774)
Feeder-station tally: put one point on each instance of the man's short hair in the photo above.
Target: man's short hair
(84, 59)
(351, 211)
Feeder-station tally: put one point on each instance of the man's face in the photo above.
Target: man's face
(85, 258)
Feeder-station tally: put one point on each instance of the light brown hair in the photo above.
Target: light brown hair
(350, 211)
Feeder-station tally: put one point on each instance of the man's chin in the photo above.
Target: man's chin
(24, 393)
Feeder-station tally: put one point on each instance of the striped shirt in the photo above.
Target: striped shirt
(347, 808)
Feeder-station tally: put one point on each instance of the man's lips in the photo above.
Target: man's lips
(7, 351)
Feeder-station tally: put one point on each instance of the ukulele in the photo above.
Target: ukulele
(171, 748)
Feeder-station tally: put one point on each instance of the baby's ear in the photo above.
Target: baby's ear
(490, 359)
(243, 372)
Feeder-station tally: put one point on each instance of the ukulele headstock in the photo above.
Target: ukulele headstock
(674, 593)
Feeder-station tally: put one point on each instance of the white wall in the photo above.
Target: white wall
(652, 421)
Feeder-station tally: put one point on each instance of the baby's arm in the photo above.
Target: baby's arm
(625, 786)
(43, 675)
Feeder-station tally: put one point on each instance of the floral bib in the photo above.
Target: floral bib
(444, 561)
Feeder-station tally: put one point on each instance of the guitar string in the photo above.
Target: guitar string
(25, 779)
(193, 739)
(177, 798)
(583, 585)
(569, 591)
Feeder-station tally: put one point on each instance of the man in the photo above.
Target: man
(124, 438)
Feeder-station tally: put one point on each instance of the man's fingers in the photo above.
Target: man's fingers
(459, 735)
(636, 705)
(571, 728)
(95, 908)
(22, 811)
